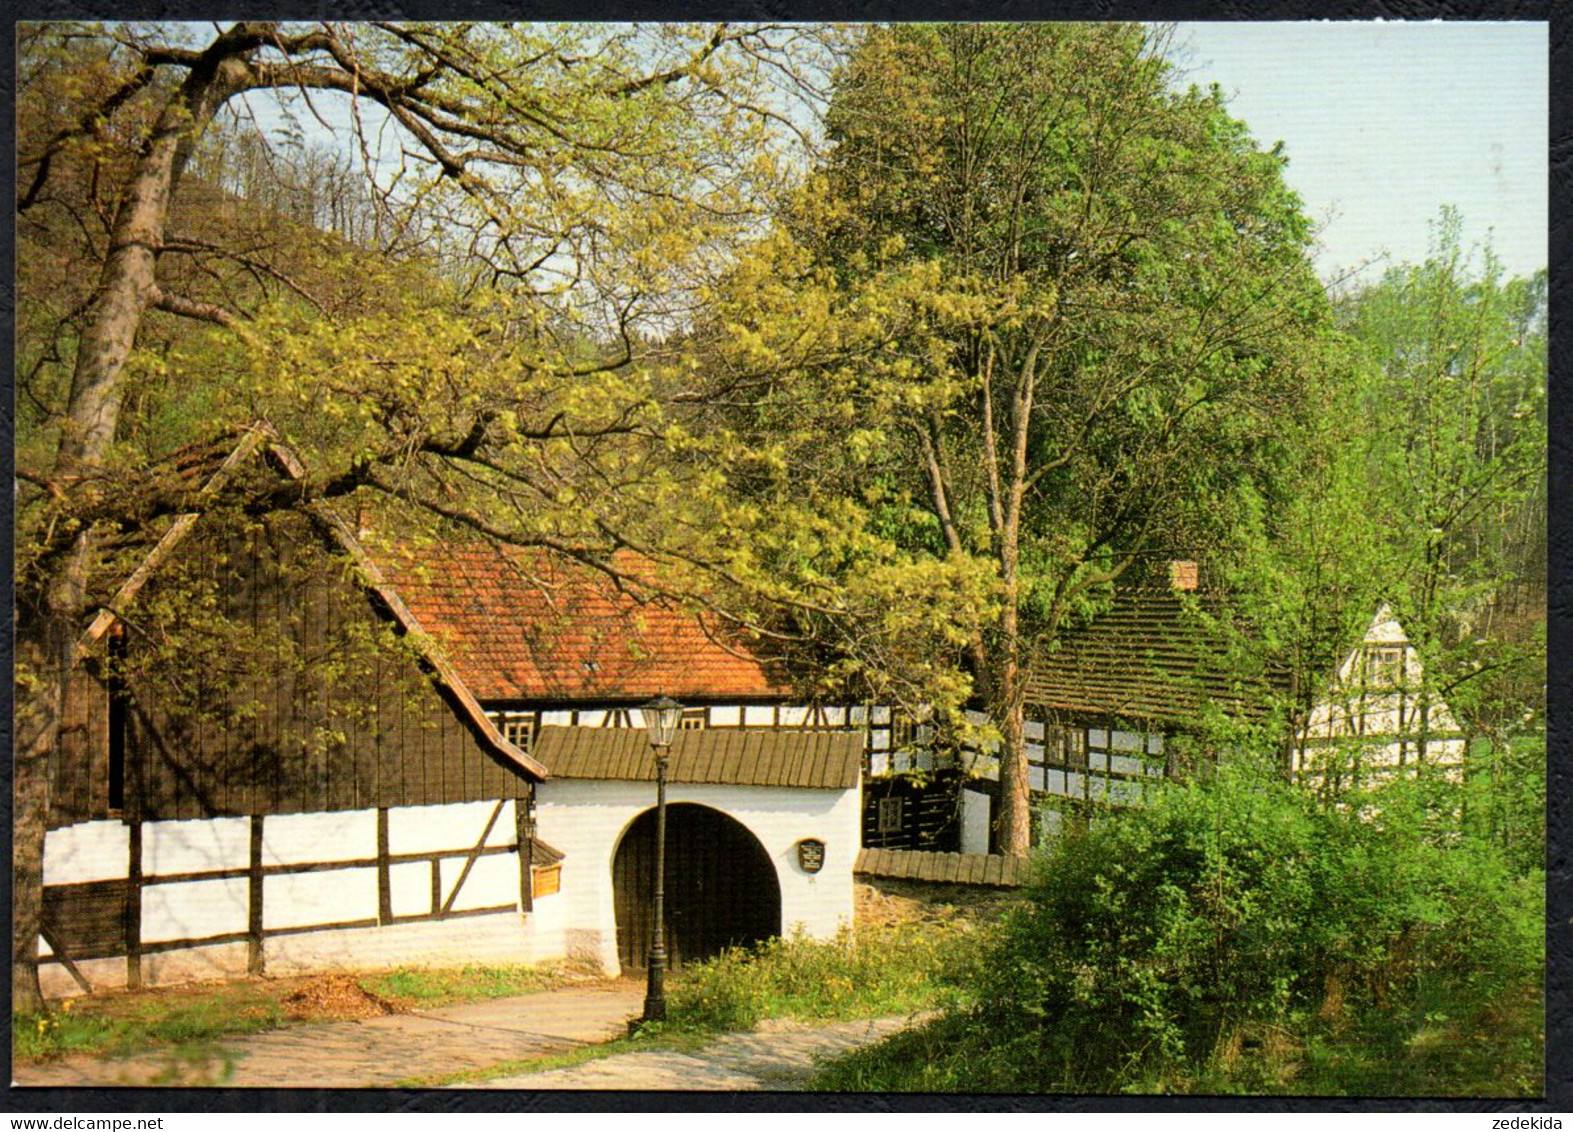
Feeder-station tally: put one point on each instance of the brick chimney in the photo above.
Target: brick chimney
(1182, 574)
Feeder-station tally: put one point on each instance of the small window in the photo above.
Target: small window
(1385, 667)
(890, 815)
(1081, 743)
(518, 727)
(694, 719)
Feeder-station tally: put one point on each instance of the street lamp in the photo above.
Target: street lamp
(661, 717)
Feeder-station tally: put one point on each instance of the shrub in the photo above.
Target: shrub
(1240, 935)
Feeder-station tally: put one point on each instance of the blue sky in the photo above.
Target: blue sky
(1384, 123)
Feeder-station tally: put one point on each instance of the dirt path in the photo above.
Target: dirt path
(393, 1048)
(776, 1055)
(380, 1051)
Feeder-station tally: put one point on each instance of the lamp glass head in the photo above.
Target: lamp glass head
(661, 717)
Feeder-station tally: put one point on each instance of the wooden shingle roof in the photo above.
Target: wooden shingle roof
(730, 756)
(520, 625)
(943, 868)
(544, 856)
(1152, 657)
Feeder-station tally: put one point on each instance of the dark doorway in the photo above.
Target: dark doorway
(721, 887)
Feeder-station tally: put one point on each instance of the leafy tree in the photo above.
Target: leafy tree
(1059, 311)
(582, 178)
(1456, 464)
(1417, 480)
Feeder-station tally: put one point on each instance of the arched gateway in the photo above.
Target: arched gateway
(721, 886)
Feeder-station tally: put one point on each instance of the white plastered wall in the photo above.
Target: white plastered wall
(587, 819)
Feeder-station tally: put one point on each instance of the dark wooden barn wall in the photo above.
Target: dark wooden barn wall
(930, 813)
(391, 737)
(79, 787)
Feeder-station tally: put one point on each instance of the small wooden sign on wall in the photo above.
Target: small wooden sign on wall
(547, 880)
(811, 854)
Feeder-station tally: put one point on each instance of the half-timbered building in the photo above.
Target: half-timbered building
(763, 788)
(1144, 691)
(316, 788)
(365, 777)
(1378, 715)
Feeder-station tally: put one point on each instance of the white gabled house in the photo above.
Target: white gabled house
(1377, 715)
(763, 790)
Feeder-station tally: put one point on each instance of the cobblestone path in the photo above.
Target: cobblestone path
(395, 1048)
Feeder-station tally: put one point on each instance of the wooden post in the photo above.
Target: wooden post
(64, 960)
(524, 835)
(134, 909)
(254, 957)
(384, 870)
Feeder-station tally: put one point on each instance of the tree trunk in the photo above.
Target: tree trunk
(47, 633)
(1009, 703)
(37, 725)
(127, 285)
(1015, 817)
(46, 645)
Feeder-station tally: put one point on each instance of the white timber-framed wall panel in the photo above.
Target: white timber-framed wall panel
(491, 881)
(303, 839)
(194, 909)
(195, 846)
(431, 829)
(320, 887)
(975, 809)
(94, 850)
(303, 900)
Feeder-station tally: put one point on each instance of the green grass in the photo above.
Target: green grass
(432, 987)
(863, 975)
(116, 1025)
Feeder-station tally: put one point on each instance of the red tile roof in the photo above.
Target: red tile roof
(524, 626)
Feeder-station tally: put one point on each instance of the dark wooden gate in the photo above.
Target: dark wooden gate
(721, 887)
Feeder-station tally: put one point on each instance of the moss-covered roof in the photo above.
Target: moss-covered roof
(1156, 656)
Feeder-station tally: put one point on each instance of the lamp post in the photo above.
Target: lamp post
(661, 716)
